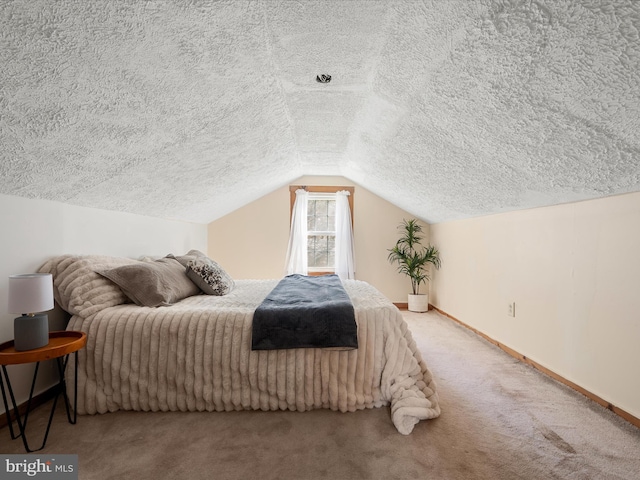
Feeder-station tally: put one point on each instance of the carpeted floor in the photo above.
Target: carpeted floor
(501, 420)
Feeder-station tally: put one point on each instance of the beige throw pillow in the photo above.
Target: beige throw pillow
(152, 284)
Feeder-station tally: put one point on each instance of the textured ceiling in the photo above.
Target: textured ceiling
(191, 109)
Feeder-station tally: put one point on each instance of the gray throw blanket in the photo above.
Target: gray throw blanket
(305, 312)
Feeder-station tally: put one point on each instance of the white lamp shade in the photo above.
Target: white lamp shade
(30, 293)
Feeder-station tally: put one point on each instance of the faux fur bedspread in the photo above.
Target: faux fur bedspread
(196, 355)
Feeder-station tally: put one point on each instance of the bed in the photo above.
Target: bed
(194, 353)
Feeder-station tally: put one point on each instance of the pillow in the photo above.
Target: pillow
(205, 273)
(209, 276)
(151, 284)
(78, 289)
(186, 258)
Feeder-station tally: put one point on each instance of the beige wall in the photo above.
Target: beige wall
(251, 242)
(574, 273)
(35, 230)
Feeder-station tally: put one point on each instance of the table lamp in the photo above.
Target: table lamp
(29, 294)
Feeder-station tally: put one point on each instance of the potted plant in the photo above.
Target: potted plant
(413, 260)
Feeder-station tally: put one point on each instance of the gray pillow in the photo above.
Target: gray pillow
(209, 276)
(152, 284)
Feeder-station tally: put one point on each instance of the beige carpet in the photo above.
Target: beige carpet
(500, 420)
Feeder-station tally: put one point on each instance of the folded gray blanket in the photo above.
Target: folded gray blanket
(305, 312)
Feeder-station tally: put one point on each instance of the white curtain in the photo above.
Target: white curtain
(345, 258)
(297, 250)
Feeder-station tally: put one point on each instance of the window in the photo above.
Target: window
(321, 226)
(321, 232)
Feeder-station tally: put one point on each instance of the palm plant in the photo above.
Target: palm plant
(412, 257)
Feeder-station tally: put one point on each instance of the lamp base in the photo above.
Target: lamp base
(31, 332)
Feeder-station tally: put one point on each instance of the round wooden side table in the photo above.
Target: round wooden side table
(61, 345)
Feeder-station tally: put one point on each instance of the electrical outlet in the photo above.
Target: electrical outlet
(511, 309)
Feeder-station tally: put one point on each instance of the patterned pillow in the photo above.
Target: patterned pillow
(209, 276)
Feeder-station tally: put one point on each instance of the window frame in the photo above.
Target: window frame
(320, 189)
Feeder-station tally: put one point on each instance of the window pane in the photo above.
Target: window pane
(321, 251)
(331, 251)
(321, 208)
(325, 251)
(311, 215)
(320, 257)
(321, 215)
(311, 250)
(321, 223)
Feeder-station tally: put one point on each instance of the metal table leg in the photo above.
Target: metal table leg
(61, 389)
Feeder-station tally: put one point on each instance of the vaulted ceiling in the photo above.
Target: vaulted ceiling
(191, 109)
